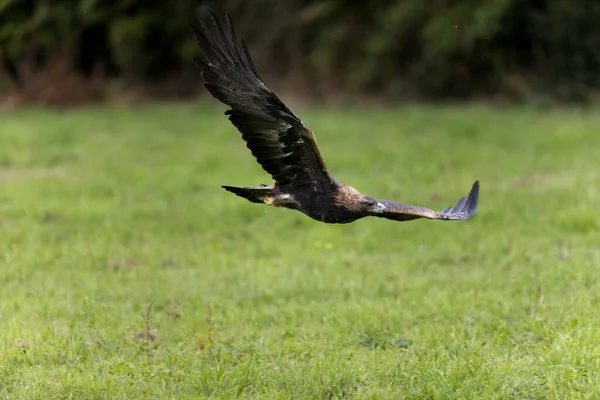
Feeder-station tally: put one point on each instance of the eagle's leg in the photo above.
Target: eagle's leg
(280, 200)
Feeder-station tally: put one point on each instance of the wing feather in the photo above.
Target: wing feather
(463, 210)
(282, 144)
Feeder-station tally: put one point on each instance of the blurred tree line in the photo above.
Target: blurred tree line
(436, 49)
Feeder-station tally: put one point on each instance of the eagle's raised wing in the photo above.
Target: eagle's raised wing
(283, 145)
(464, 209)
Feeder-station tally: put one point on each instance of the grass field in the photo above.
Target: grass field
(104, 212)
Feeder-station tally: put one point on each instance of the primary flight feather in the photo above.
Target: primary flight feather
(286, 148)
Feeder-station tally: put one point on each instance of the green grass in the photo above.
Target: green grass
(105, 211)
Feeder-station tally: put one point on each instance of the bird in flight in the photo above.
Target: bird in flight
(286, 148)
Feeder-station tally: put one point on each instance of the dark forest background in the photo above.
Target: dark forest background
(72, 52)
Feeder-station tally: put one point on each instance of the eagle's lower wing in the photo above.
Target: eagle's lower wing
(281, 143)
(464, 209)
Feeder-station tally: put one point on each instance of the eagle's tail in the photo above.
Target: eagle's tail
(257, 194)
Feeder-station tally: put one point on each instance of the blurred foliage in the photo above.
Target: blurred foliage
(396, 48)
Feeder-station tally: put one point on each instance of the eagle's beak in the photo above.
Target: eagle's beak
(377, 208)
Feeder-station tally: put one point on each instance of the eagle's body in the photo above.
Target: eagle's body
(287, 149)
(333, 207)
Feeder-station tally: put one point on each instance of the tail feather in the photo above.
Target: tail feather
(256, 194)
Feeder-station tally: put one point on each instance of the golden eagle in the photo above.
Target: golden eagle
(286, 148)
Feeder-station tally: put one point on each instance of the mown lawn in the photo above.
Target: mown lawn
(106, 211)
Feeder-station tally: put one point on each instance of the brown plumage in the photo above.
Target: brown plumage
(286, 148)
